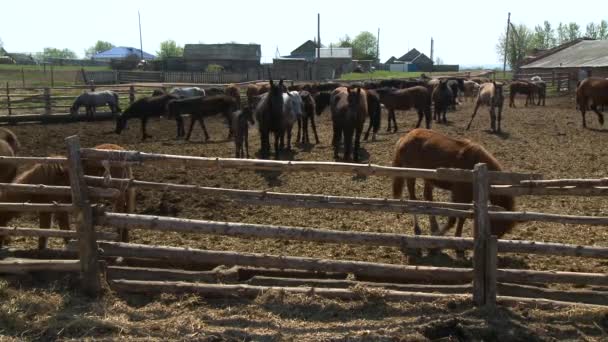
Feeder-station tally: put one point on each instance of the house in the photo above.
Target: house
(578, 58)
(121, 52)
(308, 62)
(416, 60)
(232, 57)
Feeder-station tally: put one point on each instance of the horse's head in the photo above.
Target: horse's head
(158, 92)
(354, 99)
(74, 108)
(499, 227)
(296, 102)
(247, 112)
(121, 122)
(275, 98)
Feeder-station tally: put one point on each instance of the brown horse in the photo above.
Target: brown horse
(233, 90)
(348, 113)
(417, 97)
(595, 90)
(524, 88)
(490, 94)
(254, 90)
(426, 149)
(9, 146)
(58, 175)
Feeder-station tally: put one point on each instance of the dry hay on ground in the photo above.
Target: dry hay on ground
(546, 140)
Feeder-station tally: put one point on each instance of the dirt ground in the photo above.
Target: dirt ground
(547, 140)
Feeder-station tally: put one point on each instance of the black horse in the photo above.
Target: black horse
(144, 108)
(269, 114)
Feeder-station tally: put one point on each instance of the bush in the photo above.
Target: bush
(214, 68)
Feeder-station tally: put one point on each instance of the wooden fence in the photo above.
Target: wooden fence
(262, 271)
(119, 77)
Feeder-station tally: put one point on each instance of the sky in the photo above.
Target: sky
(465, 32)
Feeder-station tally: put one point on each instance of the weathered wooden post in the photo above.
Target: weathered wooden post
(22, 78)
(87, 243)
(47, 101)
(131, 94)
(491, 271)
(8, 99)
(481, 189)
(52, 76)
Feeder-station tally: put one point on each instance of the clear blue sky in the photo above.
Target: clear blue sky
(465, 32)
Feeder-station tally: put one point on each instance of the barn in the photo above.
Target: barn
(121, 52)
(578, 59)
(232, 57)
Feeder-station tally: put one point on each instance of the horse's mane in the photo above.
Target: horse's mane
(11, 138)
(483, 156)
(48, 174)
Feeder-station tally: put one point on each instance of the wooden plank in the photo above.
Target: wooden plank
(577, 296)
(481, 229)
(491, 267)
(522, 216)
(52, 190)
(40, 160)
(401, 272)
(19, 231)
(86, 232)
(514, 190)
(566, 182)
(143, 273)
(455, 175)
(37, 207)
(21, 266)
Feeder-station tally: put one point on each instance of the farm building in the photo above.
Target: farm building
(415, 60)
(121, 52)
(308, 61)
(16, 58)
(579, 58)
(232, 57)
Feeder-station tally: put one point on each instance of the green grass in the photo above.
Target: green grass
(38, 76)
(379, 74)
(16, 67)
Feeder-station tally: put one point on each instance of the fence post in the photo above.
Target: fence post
(52, 77)
(491, 266)
(8, 99)
(22, 77)
(553, 78)
(47, 101)
(87, 243)
(116, 77)
(481, 189)
(131, 94)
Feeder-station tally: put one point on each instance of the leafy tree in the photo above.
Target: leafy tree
(169, 48)
(574, 31)
(365, 46)
(50, 52)
(1, 43)
(602, 30)
(100, 46)
(521, 42)
(544, 36)
(345, 42)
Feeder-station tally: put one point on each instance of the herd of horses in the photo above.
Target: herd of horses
(277, 107)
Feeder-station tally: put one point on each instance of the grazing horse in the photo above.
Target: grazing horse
(241, 119)
(490, 94)
(471, 89)
(233, 90)
(92, 100)
(442, 97)
(9, 147)
(308, 114)
(269, 114)
(426, 149)
(374, 110)
(524, 88)
(200, 107)
(417, 97)
(348, 113)
(187, 92)
(143, 109)
(58, 175)
(594, 90)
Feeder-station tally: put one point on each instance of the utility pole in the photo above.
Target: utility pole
(378, 47)
(141, 45)
(318, 36)
(504, 63)
(432, 53)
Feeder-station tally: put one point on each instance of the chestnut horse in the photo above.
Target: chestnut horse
(595, 90)
(348, 113)
(233, 90)
(417, 97)
(9, 146)
(58, 175)
(426, 149)
(524, 88)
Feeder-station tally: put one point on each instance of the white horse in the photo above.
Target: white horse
(536, 79)
(292, 112)
(187, 92)
(94, 99)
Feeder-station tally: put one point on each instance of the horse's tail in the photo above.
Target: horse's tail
(398, 182)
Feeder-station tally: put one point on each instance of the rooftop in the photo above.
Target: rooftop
(585, 53)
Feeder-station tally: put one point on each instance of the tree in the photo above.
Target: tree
(574, 31)
(365, 46)
(544, 36)
(562, 33)
(520, 43)
(345, 42)
(602, 30)
(50, 52)
(100, 46)
(1, 43)
(169, 48)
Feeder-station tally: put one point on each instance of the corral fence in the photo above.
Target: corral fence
(253, 273)
(118, 77)
(558, 83)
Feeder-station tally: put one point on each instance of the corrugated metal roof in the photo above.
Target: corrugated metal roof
(336, 53)
(121, 52)
(587, 53)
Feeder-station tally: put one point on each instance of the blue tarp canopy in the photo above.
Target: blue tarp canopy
(121, 52)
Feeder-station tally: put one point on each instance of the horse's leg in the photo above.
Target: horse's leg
(45, 223)
(336, 140)
(246, 138)
(369, 128)
(277, 148)
(512, 100)
(395, 129)
(358, 132)
(428, 196)
(600, 116)
(289, 138)
(314, 128)
(348, 143)
(411, 189)
(499, 117)
(473, 116)
(306, 132)
(298, 136)
(492, 118)
(420, 116)
(144, 123)
(390, 113)
(202, 123)
(192, 121)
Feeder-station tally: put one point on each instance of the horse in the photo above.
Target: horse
(214, 91)
(456, 85)
(348, 113)
(490, 94)
(322, 100)
(233, 90)
(143, 109)
(92, 100)
(58, 175)
(541, 90)
(374, 110)
(200, 107)
(442, 98)
(524, 88)
(417, 97)
(427, 149)
(592, 89)
(9, 147)
(254, 90)
(292, 113)
(308, 114)
(269, 114)
(470, 90)
(187, 92)
(241, 119)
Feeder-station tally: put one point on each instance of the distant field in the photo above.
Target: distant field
(38, 76)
